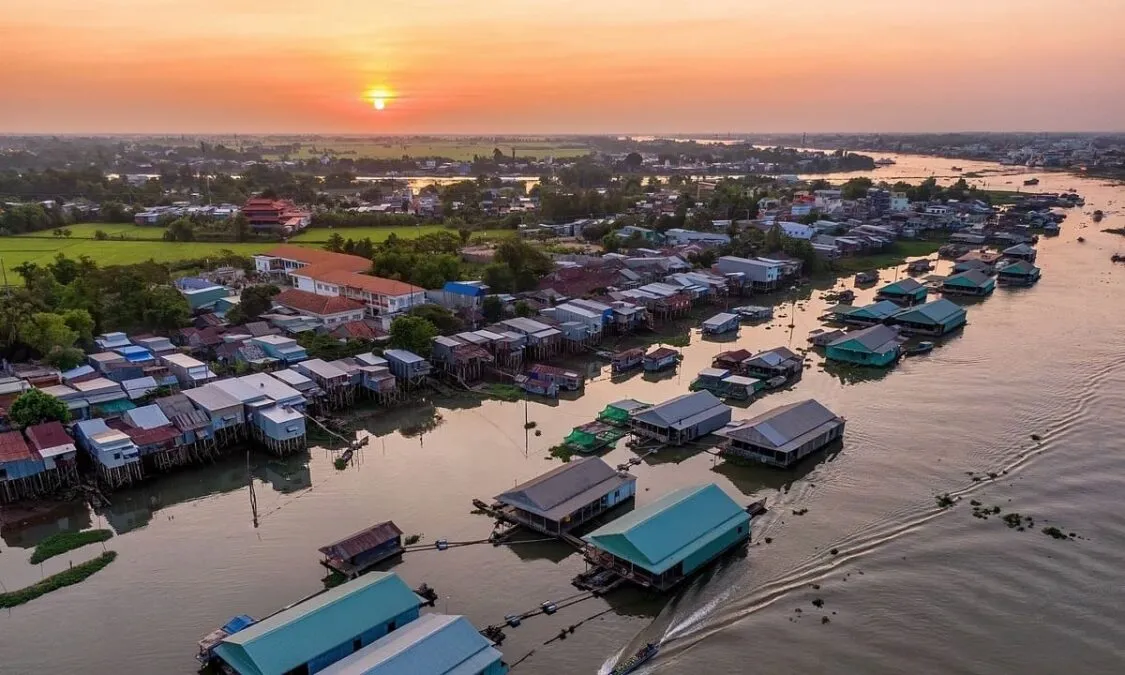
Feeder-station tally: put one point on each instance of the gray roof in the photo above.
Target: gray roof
(720, 319)
(877, 338)
(628, 404)
(292, 378)
(565, 489)
(271, 387)
(525, 325)
(787, 427)
(448, 341)
(718, 373)
(238, 389)
(1019, 249)
(773, 358)
(675, 412)
(907, 285)
(937, 311)
(176, 404)
(321, 368)
(402, 356)
(147, 417)
(369, 359)
(211, 398)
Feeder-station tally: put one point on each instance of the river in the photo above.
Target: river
(910, 588)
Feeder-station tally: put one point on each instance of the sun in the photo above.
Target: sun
(379, 97)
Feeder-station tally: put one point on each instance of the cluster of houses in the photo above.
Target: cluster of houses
(275, 216)
(142, 406)
(372, 625)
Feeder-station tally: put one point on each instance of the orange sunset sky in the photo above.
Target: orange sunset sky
(577, 66)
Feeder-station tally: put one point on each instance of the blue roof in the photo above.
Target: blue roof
(78, 372)
(296, 635)
(402, 356)
(193, 283)
(878, 310)
(134, 354)
(434, 644)
(659, 535)
(147, 417)
(464, 288)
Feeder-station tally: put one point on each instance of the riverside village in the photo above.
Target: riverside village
(294, 349)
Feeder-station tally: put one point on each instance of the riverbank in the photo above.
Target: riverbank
(74, 575)
(896, 254)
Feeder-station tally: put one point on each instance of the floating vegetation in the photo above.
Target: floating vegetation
(333, 579)
(824, 620)
(72, 576)
(983, 512)
(562, 452)
(1036, 437)
(676, 340)
(340, 463)
(504, 392)
(422, 427)
(60, 543)
(769, 540)
(945, 501)
(818, 603)
(974, 502)
(538, 432)
(1051, 531)
(411, 539)
(834, 551)
(800, 512)
(530, 425)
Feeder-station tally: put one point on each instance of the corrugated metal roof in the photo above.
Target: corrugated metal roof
(176, 404)
(681, 408)
(877, 338)
(907, 285)
(720, 319)
(361, 541)
(878, 310)
(785, 425)
(402, 356)
(434, 644)
(147, 417)
(937, 311)
(565, 489)
(293, 636)
(49, 438)
(211, 398)
(272, 387)
(292, 378)
(659, 535)
(240, 390)
(322, 368)
(773, 358)
(13, 448)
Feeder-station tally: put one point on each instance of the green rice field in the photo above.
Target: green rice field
(457, 149)
(377, 234)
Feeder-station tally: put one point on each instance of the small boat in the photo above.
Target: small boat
(955, 168)
(754, 312)
(1031, 181)
(643, 655)
(920, 348)
(885, 161)
(1098, 215)
(206, 654)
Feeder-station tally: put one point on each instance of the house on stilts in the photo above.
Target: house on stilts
(116, 458)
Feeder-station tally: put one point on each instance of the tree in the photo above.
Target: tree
(335, 243)
(633, 161)
(44, 331)
(80, 321)
(527, 263)
(240, 227)
(499, 278)
(856, 188)
(492, 309)
(65, 358)
(774, 239)
(100, 235)
(180, 229)
(164, 308)
(523, 309)
(444, 320)
(413, 333)
(35, 407)
(256, 300)
(497, 155)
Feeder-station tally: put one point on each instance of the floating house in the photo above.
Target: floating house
(659, 359)
(725, 384)
(189, 371)
(875, 346)
(935, 318)
(822, 338)
(567, 496)
(721, 323)
(867, 315)
(283, 349)
(777, 362)
(206, 654)
(906, 292)
(1023, 252)
(731, 360)
(593, 436)
(754, 312)
(863, 278)
(618, 413)
(21, 469)
(919, 266)
(785, 435)
(116, 458)
(1019, 273)
(627, 360)
(434, 644)
(972, 283)
(359, 552)
(550, 380)
(57, 450)
(660, 544)
(681, 419)
(312, 635)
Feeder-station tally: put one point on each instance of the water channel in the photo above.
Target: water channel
(910, 588)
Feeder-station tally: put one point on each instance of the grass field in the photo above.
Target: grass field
(377, 234)
(461, 150)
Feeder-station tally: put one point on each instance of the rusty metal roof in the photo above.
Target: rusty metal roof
(361, 541)
(13, 448)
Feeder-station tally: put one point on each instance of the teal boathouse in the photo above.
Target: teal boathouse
(907, 292)
(312, 635)
(875, 346)
(1019, 273)
(932, 318)
(972, 282)
(661, 544)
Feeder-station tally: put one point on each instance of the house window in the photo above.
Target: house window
(357, 644)
(740, 529)
(3, 474)
(391, 626)
(117, 455)
(616, 494)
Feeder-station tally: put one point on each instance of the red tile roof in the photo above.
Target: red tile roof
(357, 330)
(157, 436)
(14, 449)
(332, 274)
(48, 435)
(317, 256)
(320, 305)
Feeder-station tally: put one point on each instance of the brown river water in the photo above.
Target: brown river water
(911, 588)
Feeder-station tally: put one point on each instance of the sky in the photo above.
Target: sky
(578, 66)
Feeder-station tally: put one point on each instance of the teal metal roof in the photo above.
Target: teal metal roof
(659, 535)
(906, 286)
(433, 644)
(972, 278)
(938, 311)
(300, 633)
(877, 310)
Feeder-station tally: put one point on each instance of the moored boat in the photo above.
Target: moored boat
(643, 655)
(920, 348)
(206, 653)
